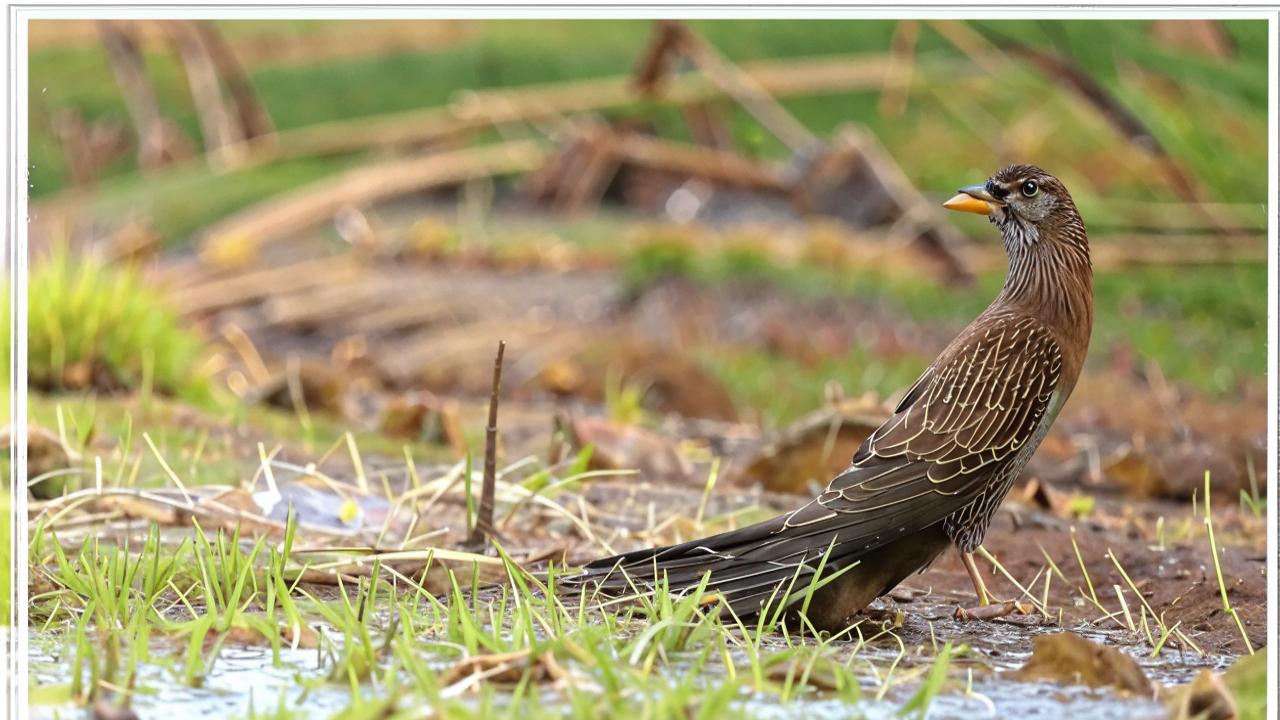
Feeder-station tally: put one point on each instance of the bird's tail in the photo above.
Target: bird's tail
(748, 568)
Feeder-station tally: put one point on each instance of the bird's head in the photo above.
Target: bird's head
(1028, 205)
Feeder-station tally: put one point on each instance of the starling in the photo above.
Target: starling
(935, 472)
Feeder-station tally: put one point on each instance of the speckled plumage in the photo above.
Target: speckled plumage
(934, 474)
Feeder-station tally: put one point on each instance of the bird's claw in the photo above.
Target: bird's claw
(993, 611)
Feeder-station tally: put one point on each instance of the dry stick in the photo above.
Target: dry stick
(897, 80)
(249, 287)
(480, 109)
(945, 243)
(218, 127)
(126, 63)
(654, 67)
(744, 89)
(707, 125)
(129, 68)
(473, 110)
(484, 529)
(972, 43)
(724, 167)
(317, 202)
(597, 165)
(253, 116)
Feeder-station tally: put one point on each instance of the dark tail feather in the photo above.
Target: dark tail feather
(746, 584)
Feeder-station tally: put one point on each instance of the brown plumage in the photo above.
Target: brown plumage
(934, 474)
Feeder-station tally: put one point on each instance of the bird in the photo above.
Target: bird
(934, 473)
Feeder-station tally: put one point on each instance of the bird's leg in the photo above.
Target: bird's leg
(978, 585)
(985, 610)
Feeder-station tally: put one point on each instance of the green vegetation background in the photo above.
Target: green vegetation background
(1204, 326)
(511, 53)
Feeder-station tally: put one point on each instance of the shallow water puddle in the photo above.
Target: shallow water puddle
(242, 675)
(975, 688)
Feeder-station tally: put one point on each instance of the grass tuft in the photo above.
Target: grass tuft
(93, 326)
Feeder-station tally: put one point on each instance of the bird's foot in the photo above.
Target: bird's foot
(993, 611)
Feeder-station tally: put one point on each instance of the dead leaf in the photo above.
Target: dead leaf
(629, 447)
(317, 387)
(1068, 658)
(1172, 469)
(505, 668)
(1134, 472)
(237, 635)
(562, 377)
(1205, 698)
(142, 509)
(423, 415)
(669, 380)
(814, 449)
(1044, 496)
(308, 638)
(431, 238)
(77, 375)
(819, 676)
(1040, 494)
(993, 611)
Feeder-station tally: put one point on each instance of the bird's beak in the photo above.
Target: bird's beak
(973, 199)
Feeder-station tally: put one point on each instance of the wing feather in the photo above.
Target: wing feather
(978, 405)
(981, 402)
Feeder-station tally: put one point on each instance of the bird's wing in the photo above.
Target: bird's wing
(976, 407)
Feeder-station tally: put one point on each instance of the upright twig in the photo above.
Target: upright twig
(219, 126)
(484, 529)
(255, 121)
(897, 79)
(743, 88)
(707, 124)
(130, 70)
(159, 141)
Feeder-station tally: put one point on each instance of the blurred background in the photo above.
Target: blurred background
(701, 239)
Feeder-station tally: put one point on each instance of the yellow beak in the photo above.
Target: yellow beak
(972, 199)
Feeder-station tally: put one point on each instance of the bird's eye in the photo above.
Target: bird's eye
(1030, 188)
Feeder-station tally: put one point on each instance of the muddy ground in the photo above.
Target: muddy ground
(401, 343)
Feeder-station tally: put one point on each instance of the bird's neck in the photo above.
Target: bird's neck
(1053, 279)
